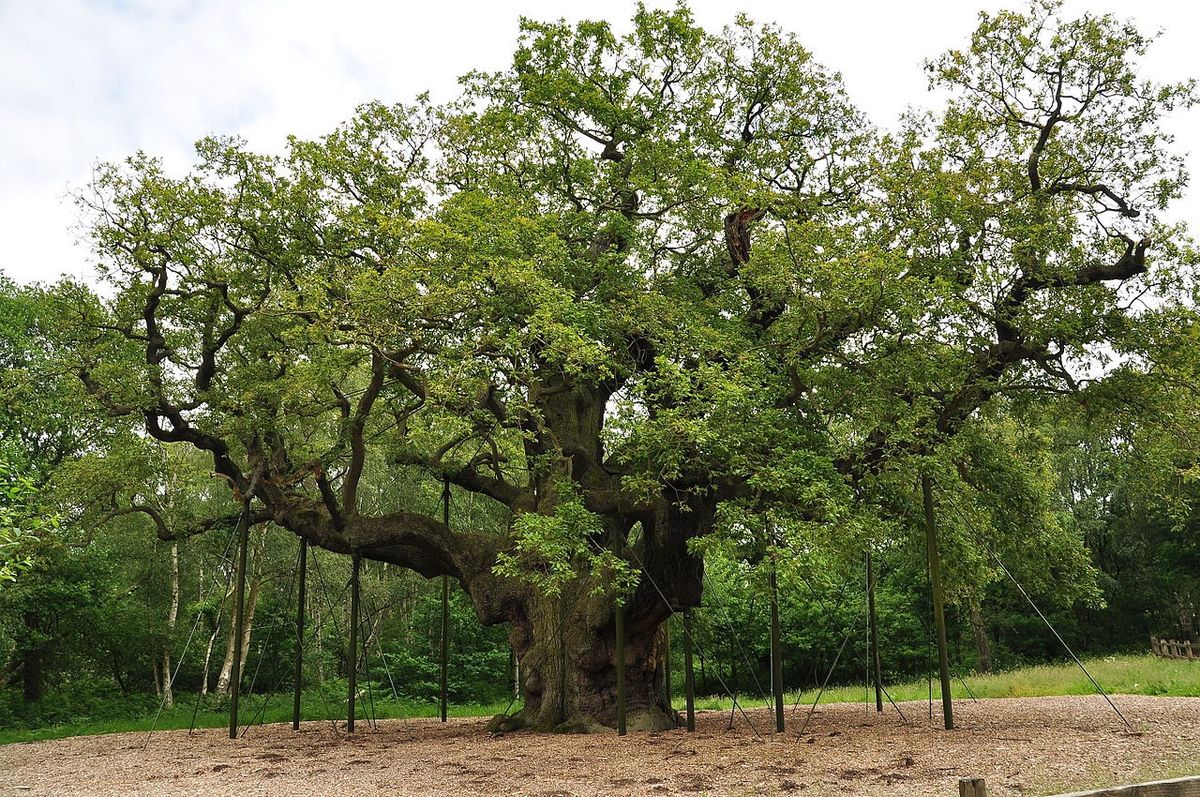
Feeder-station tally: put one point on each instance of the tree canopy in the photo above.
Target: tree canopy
(642, 293)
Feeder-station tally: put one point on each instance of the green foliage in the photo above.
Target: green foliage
(552, 550)
(665, 287)
(21, 522)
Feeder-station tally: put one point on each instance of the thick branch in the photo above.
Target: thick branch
(737, 241)
(1123, 206)
(167, 533)
(468, 478)
(1011, 346)
(1035, 155)
(358, 422)
(991, 363)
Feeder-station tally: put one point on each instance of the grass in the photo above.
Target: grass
(314, 706)
(1127, 675)
(1133, 675)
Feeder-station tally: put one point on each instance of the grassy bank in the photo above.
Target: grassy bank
(314, 706)
(1135, 675)
(1128, 675)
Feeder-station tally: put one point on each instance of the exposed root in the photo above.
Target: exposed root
(504, 723)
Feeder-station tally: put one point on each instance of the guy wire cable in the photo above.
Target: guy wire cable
(171, 676)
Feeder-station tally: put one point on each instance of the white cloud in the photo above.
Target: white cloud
(85, 81)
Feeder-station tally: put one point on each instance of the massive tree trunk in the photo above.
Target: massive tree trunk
(566, 648)
(565, 645)
(565, 642)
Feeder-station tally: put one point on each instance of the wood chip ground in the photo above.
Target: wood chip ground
(1021, 746)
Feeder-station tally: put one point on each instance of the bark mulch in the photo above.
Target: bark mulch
(1021, 746)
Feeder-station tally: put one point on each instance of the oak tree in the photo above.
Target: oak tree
(629, 289)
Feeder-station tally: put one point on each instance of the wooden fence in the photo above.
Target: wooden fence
(1173, 648)
(1177, 787)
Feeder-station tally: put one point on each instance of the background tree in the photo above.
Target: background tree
(44, 421)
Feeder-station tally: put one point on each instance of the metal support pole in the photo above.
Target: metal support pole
(689, 675)
(300, 605)
(939, 615)
(876, 667)
(667, 662)
(619, 630)
(776, 651)
(235, 675)
(445, 652)
(353, 641)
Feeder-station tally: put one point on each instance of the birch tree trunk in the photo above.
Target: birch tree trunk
(172, 616)
(212, 638)
(255, 583)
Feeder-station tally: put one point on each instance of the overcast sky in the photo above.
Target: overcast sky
(83, 81)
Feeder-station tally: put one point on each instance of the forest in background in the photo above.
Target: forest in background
(104, 607)
(544, 296)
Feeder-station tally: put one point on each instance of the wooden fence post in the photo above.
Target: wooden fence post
(444, 659)
(972, 787)
(876, 665)
(667, 663)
